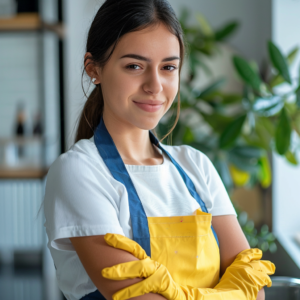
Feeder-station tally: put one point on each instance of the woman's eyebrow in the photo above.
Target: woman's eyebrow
(140, 57)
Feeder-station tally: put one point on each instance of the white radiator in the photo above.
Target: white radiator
(21, 287)
(20, 227)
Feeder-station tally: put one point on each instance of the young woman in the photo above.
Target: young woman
(118, 178)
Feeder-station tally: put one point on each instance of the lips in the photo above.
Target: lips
(149, 106)
(150, 102)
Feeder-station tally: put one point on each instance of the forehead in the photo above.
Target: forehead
(153, 42)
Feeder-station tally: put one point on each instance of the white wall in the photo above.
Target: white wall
(255, 18)
(78, 16)
(286, 182)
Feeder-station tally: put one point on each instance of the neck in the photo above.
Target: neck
(133, 144)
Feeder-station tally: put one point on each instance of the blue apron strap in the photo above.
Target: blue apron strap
(115, 164)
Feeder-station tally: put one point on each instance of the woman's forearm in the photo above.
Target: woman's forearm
(261, 295)
(150, 296)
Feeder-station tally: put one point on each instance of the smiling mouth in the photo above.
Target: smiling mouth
(148, 107)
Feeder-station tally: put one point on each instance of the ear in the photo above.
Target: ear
(91, 69)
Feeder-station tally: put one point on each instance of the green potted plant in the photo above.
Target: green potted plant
(238, 131)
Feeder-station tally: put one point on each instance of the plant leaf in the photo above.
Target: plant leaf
(211, 88)
(265, 103)
(231, 98)
(283, 133)
(227, 30)
(247, 152)
(188, 136)
(231, 132)
(204, 24)
(292, 55)
(298, 97)
(217, 121)
(222, 98)
(247, 73)
(279, 62)
(268, 106)
(264, 131)
(291, 157)
(265, 173)
(297, 123)
(276, 80)
(239, 177)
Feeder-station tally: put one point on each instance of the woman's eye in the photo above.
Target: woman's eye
(132, 67)
(174, 68)
(137, 67)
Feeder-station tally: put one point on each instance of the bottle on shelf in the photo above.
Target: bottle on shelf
(20, 127)
(37, 125)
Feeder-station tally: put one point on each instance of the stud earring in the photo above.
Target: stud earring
(93, 80)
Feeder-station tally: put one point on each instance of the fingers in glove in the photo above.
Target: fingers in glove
(262, 277)
(124, 243)
(264, 266)
(249, 255)
(133, 269)
(141, 288)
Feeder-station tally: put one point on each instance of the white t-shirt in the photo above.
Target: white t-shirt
(82, 199)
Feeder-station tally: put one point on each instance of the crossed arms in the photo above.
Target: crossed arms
(96, 255)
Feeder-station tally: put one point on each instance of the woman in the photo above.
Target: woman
(118, 179)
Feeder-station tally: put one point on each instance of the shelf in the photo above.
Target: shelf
(30, 22)
(21, 22)
(23, 173)
(20, 140)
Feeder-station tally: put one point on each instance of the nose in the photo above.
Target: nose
(153, 82)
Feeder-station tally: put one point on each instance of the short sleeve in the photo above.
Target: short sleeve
(221, 203)
(80, 200)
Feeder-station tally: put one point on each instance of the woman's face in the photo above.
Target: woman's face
(143, 70)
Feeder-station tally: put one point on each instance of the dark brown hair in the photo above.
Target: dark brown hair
(114, 19)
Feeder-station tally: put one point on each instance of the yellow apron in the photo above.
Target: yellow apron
(186, 245)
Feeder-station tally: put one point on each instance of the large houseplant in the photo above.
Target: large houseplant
(240, 130)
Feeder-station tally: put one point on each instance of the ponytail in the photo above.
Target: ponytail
(90, 115)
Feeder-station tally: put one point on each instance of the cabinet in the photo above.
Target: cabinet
(30, 73)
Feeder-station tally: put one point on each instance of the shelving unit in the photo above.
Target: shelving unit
(32, 73)
(30, 22)
(31, 48)
(21, 22)
(23, 173)
(50, 33)
(26, 171)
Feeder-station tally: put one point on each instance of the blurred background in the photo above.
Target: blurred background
(240, 104)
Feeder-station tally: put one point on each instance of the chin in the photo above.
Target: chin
(148, 123)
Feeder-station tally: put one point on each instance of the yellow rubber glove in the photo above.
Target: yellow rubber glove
(248, 265)
(242, 279)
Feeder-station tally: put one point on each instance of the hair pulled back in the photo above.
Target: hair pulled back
(114, 19)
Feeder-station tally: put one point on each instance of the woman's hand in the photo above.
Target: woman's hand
(242, 280)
